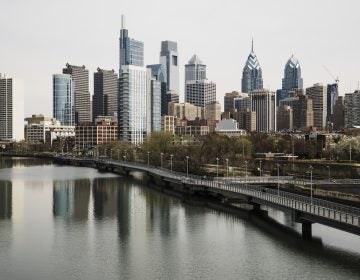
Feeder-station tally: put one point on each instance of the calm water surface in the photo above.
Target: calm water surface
(59, 222)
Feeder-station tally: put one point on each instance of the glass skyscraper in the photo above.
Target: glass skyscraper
(170, 63)
(252, 73)
(195, 70)
(63, 99)
(132, 99)
(292, 75)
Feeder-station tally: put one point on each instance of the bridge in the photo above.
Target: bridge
(252, 190)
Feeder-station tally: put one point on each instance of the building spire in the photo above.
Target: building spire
(252, 44)
(122, 22)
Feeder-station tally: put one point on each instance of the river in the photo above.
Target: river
(62, 222)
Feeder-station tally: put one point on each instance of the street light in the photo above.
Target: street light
(278, 178)
(161, 157)
(246, 172)
(171, 161)
(125, 154)
(227, 167)
(328, 167)
(148, 158)
(187, 166)
(124, 157)
(311, 185)
(260, 167)
(118, 155)
(217, 167)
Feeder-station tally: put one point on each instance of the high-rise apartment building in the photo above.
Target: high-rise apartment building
(252, 73)
(80, 77)
(63, 99)
(11, 109)
(318, 94)
(352, 109)
(332, 96)
(169, 61)
(132, 89)
(105, 93)
(339, 114)
(153, 107)
(263, 102)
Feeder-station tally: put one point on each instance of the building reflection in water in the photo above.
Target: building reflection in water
(71, 199)
(105, 197)
(5, 200)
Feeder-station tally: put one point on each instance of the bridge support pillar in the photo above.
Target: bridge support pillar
(306, 230)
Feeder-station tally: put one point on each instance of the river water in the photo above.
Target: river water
(61, 222)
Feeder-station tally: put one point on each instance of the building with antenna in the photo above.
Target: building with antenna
(252, 73)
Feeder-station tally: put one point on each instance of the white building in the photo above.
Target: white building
(263, 103)
(132, 104)
(40, 129)
(229, 127)
(11, 109)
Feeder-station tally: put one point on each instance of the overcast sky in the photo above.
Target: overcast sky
(38, 37)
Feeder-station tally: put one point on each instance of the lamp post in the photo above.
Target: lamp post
(124, 157)
(278, 178)
(260, 167)
(171, 162)
(227, 167)
(161, 159)
(118, 155)
(246, 172)
(350, 151)
(148, 158)
(328, 167)
(311, 185)
(125, 154)
(187, 166)
(217, 167)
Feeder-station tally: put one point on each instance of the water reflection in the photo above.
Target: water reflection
(71, 199)
(105, 195)
(5, 200)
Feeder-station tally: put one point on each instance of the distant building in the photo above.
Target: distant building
(230, 97)
(213, 111)
(132, 89)
(229, 127)
(332, 96)
(40, 129)
(105, 93)
(63, 99)
(185, 111)
(246, 118)
(159, 74)
(242, 103)
(318, 94)
(153, 107)
(352, 109)
(170, 63)
(252, 73)
(88, 136)
(263, 102)
(11, 109)
(284, 118)
(80, 78)
(168, 124)
(339, 114)
(195, 70)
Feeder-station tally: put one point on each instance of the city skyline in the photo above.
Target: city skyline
(51, 49)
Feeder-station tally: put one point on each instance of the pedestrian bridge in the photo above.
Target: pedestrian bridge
(253, 190)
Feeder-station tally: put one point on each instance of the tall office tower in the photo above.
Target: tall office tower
(332, 96)
(153, 102)
(195, 70)
(318, 94)
(132, 89)
(131, 51)
(230, 97)
(352, 109)
(242, 103)
(284, 117)
(80, 77)
(252, 73)
(105, 93)
(292, 79)
(198, 90)
(63, 99)
(11, 109)
(263, 102)
(158, 72)
(339, 114)
(170, 63)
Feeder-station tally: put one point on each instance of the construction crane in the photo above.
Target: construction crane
(335, 78)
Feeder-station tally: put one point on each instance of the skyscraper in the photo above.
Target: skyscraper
(105, 93)
(352, 109)
(11, 109)
(318, 94)
(263, 102)
(132, 89)
(63, 99)
(80, 77)
(158, 72)
(332, 96)
(170, 63)
(292, 75)
(252, 73)
(198, 90)
(153, 102)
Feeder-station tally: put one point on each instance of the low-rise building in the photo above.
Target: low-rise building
(229, 127)
(168, 124)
